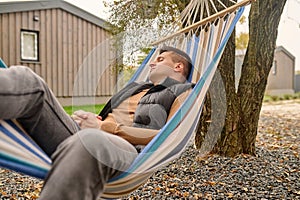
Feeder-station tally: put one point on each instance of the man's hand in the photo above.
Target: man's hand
(86, 119)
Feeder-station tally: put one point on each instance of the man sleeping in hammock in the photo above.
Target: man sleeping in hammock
(88, 150)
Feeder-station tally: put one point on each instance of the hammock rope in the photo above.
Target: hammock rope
(205, 21)
(204, 41)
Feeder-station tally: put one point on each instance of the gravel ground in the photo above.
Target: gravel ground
(273, 173)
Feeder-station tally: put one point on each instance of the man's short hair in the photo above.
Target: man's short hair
(186, 60)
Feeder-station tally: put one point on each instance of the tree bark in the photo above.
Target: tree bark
(263, 29)
(243, 108)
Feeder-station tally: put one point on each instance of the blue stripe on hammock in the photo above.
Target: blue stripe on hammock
(16, 139)
(11, 123)
(195, 51)
(209, 49)
(27, 168)
(188, 48)
(2, 64)
(194, 54)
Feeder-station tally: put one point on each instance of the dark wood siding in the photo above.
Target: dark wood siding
(69, 47)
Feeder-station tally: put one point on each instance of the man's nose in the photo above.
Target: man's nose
(152, 64)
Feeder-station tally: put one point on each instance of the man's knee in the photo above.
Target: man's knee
(86, 140)
(26, 77)
(108, 149)
(23, 71)
(88, 145)
(96, 142)
(22, 90)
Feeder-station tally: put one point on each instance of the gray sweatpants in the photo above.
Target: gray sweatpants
(82, 162)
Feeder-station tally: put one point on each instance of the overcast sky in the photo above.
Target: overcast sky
(289, 28)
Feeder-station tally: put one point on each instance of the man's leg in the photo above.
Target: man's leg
(84, 162)
(26, 97)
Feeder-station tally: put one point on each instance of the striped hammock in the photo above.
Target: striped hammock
(205, 46)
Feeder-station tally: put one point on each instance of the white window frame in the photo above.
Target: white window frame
(35, 35)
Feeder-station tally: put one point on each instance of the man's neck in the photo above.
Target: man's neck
(168, 82)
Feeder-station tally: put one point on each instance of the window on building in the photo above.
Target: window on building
(29, 45)
(274, 67)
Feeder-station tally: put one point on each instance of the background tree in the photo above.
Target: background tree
(242, 107)
(134, 14)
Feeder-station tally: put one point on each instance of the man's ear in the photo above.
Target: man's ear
(179, 67)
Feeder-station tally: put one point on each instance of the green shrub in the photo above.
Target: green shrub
(274, 98)
(281, 98)
(287, 96)
(268, 98)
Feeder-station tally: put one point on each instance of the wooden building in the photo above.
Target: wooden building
(67, 46)
(297, 83)
(281, 78)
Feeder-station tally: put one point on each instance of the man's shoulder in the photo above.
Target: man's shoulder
(184, 85)
(181, 87)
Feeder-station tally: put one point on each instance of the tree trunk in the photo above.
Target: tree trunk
(239, 131)
(263, 27)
